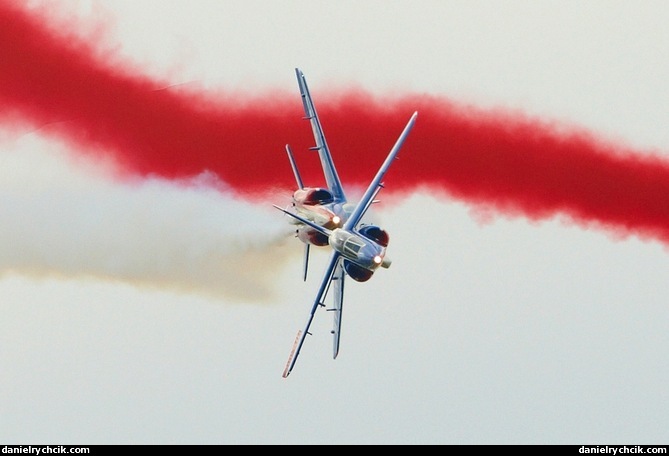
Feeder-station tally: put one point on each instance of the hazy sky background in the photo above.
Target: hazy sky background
(486, 329)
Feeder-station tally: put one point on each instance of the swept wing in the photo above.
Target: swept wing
(318, 301)
(376, 183)
(331, 177)
(334, 272)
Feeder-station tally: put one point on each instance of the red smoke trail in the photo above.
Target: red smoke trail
(512, 164)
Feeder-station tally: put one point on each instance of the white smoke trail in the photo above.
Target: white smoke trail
(65, 218)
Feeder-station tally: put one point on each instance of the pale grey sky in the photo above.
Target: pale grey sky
(500, 332)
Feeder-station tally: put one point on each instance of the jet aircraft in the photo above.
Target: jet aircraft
(324, 217)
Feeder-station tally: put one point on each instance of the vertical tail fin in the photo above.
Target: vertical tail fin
(293, 165)
(306, 260)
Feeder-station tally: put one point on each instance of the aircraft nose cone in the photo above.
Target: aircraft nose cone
(386, 262)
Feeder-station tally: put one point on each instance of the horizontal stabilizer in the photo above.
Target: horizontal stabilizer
(315, 226)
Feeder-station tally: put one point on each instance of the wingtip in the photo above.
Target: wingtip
(286, 371)
(293, 355)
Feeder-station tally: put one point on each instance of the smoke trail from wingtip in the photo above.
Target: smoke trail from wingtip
(513, 164)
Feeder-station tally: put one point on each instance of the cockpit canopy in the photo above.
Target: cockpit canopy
(352, 246)
(315, 196)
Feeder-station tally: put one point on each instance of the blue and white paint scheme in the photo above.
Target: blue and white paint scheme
(324, 217)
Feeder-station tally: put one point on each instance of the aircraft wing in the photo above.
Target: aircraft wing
(338, 295)
(376, 183)
(331, 177)
(330, 272)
